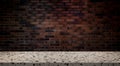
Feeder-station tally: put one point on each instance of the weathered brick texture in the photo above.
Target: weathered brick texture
(59, 25)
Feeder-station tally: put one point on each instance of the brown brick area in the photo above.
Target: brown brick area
(59, 25)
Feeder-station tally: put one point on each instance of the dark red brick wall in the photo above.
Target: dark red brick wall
(59, 25)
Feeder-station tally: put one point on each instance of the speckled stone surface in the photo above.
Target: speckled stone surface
(60, 57)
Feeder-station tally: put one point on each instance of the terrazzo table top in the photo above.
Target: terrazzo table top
(60, 57)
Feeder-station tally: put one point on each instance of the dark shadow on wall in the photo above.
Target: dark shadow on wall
(59, 64)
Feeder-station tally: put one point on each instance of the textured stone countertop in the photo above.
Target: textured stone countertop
(60, 57)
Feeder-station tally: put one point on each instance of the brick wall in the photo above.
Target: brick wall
(59, 25)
